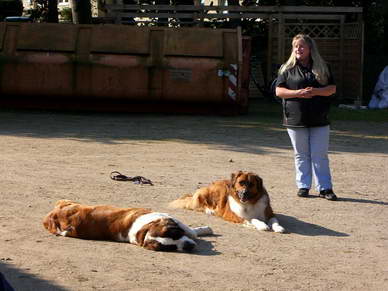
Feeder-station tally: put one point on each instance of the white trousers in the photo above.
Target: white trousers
(311, 156)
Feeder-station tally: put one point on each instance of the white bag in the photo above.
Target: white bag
(379, 99)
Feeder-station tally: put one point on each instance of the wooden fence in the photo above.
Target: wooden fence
(339, 42)
(338, 31)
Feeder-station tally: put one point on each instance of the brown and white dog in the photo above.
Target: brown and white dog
(139, 226)
(242, 199)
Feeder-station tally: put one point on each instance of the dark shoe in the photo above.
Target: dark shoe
(303, 192)
(328, 194)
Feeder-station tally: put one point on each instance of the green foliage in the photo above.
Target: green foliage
(378, 115)
(41, 12)
(374, 26)
(66, 14)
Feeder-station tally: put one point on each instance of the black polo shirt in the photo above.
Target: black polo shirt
(300, 112)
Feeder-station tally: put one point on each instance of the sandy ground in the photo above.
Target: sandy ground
(46, 156)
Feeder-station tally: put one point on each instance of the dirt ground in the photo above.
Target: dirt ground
(46, 156)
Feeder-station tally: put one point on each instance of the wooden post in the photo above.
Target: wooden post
(239, 61)
(361, 91)
(270, 50)
(280, 39)
(117, 16)
(81, 12)
(342, 41)
(52, 11)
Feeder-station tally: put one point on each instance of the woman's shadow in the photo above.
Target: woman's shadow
(356, 200)
(294, 225)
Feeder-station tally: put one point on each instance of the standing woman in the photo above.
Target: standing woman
(306, 85)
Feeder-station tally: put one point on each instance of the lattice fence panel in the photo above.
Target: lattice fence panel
(352, 31)
(314, 30)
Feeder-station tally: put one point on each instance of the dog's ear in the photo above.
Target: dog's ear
(234, 177)
(259, 183)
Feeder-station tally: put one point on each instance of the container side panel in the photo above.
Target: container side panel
(120, 40)
(47, 37)
(119, 76)
(196, 43)
(193, 79)
(2, 35)
(39, 75)
(230, 47)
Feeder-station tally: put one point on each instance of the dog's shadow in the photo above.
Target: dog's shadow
(205, 247)
(294, 225)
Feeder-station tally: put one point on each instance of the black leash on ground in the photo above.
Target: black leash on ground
(117, 176)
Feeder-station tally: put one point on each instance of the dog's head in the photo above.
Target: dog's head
(247, 187)
(165, 234)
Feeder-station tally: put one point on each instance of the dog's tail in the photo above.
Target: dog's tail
(63, 203)
(185, 202)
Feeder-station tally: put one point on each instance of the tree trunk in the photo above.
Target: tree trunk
(81, 11)
(52, 11)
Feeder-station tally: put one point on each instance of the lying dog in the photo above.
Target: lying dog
(139, 226)
(242, 199)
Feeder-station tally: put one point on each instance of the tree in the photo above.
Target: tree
(66, 14)
(52, 11)
(45, 10)
(81, 11)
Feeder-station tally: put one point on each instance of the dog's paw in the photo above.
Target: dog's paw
(263, 228)
(260, 225)
(203, 230)
(278, 228)
(61, 233)
(209, 211)
(248, 225)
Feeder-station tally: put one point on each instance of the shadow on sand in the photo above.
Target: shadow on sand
(21, 280)
(205, 247)
(354, 200)
(258, 132)
(294, 225)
